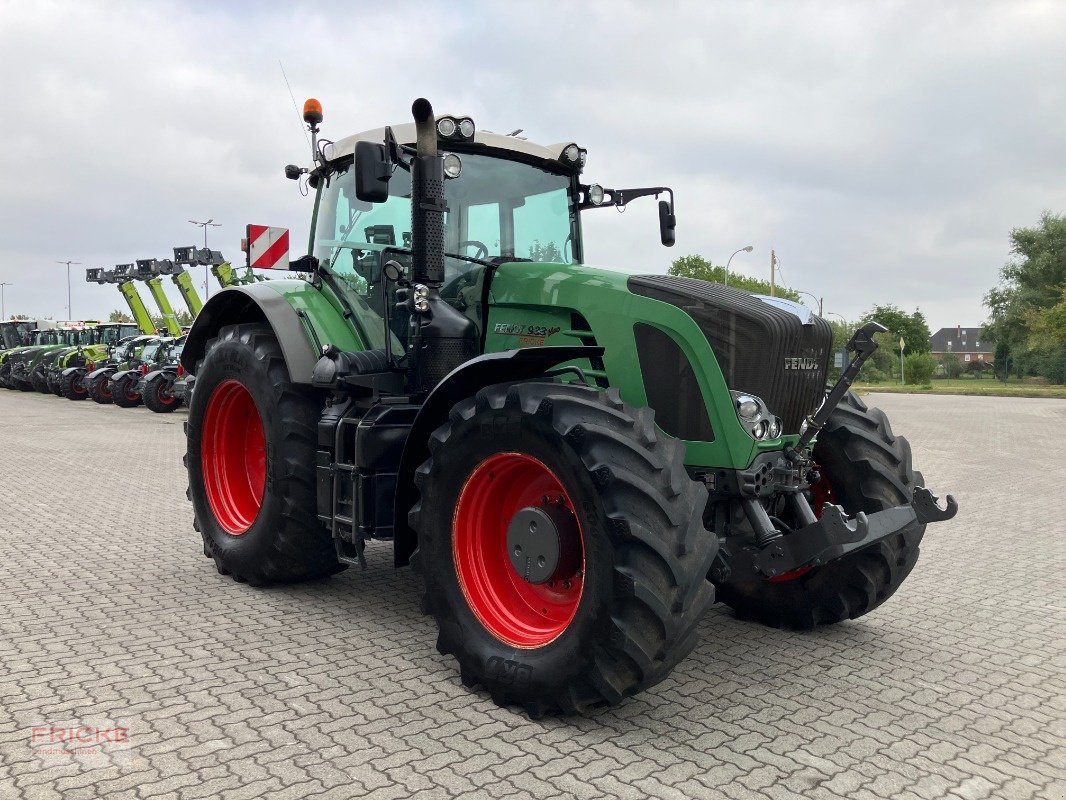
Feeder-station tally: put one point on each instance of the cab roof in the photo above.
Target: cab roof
(405, 134)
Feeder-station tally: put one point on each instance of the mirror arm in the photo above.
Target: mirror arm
(620, 198)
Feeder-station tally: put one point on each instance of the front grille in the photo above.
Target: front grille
(751, 341)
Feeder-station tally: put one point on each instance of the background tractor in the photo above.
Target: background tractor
(96, 374)
(124, 383)
(576, 460)
(15, 334)
(23, 361)
(97, 380)
(67, 375)
(163, 389)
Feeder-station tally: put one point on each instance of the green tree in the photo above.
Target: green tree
(1027, 318)
(919, 368)
(696, 266)
(912, 328)
(119, 316)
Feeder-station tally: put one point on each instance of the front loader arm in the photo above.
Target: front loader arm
(137, 307)
(170, 319)
(183, 280)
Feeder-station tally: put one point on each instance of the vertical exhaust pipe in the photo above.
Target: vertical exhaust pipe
(441, 337)
(427, 199)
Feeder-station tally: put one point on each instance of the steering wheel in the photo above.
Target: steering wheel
(482, 250)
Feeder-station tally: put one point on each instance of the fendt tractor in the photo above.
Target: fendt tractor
(577, 461)
(15, 334)
(46, 339)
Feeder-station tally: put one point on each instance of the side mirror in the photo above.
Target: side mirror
(667, 223)
(372, 172)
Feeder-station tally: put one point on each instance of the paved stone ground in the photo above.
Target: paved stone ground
(111, 617)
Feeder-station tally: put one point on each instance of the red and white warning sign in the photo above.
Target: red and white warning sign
(268, 248)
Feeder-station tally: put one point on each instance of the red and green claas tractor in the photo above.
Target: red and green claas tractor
(577, 461)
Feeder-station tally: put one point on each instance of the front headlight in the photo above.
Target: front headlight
(755, 417)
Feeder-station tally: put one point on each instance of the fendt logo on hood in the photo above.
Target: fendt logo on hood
(801, 363)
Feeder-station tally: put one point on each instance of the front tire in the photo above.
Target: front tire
(124, 392)
(39, 382)
(251, 445)
(72, 386)
(99, 390)
(622, 608)
(864, 468)
(158, 397)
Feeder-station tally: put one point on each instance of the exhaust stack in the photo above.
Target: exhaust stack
(427, 200)
(441, 337)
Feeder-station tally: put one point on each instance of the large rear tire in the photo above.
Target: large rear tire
(158, 397)
(623, 606)
(864, 468)
(251, 444)
(72, 386)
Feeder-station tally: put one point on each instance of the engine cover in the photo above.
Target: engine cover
(762, 347)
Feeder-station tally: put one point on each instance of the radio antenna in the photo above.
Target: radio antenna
(295, 107)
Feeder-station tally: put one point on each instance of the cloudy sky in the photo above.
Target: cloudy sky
(884, 150)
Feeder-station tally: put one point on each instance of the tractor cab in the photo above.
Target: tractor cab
(507, 200)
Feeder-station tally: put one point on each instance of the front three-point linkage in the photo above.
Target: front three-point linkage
(830, 534)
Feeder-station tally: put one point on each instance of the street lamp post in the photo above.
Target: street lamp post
(70, 311)
(747, 249)
(205, 225)
(818, 300)
(3, 306)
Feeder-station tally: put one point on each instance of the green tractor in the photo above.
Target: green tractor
(14, 335)
(90, 378)
(577, 461)
(46, 373)
(123, 356)
(162, 388)
(124, 383)
(23, 362)
(67, 375)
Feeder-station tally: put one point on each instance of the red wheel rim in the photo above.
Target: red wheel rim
(516, 612)
(169, 401)
(233, 457)
(821, 493)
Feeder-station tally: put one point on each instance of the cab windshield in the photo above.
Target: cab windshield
(497, 210)
(149, 351)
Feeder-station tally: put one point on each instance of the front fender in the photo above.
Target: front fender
(126, 374)
(303, 319)
(460, 383)
(172, 374)
(71, 371)
(98, 374)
